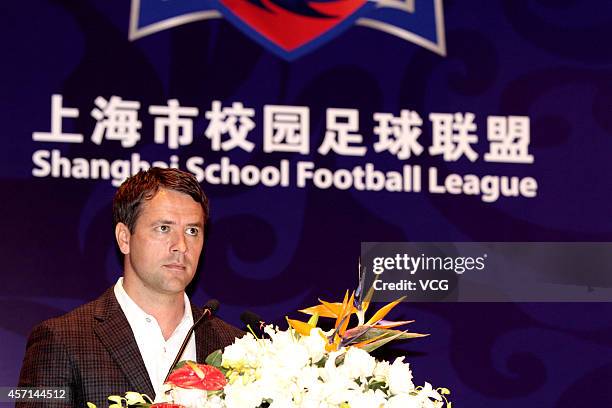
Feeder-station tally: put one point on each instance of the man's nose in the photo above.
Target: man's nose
(179, 243)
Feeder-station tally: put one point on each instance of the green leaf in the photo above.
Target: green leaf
(314, 319)
(377, 385)
(320, 363)
(356, 333)
(134, 398)
(214, 359)
(90, 405)
(181, 364)
(379, 343)
(375, 332)
(117, 399)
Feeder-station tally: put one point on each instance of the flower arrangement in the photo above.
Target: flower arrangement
(303, 366)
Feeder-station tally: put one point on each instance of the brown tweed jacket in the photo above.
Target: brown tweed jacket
(92, 351)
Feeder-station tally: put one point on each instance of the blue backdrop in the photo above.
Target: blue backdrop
(474, 74)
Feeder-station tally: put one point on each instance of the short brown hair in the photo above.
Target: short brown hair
(143, 186)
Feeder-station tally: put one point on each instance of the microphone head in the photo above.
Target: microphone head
(212, 305)
(250, 318)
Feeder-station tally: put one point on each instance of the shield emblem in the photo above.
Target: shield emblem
(293, 27)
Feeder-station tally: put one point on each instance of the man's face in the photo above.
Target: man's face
(161, 255)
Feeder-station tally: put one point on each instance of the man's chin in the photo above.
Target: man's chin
(175, 285)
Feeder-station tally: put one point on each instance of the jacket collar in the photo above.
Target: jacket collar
(114, 332)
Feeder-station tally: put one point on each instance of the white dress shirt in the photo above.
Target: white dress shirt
(157, 353)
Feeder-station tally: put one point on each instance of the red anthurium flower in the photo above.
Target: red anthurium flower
(200, 376)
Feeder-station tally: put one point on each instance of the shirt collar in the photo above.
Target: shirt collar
(133, 311)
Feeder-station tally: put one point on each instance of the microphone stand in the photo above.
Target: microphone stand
(207, 313)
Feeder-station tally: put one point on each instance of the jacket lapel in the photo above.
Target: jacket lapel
(115, 333)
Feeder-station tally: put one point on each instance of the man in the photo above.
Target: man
(127, 339)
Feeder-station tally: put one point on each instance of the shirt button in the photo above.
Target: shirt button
(148, 319)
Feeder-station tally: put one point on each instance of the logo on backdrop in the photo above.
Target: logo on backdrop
(292, 28)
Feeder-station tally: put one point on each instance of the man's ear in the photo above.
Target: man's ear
(122, 235)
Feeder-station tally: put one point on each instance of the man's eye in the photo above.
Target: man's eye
(163, 228)
(192, 231)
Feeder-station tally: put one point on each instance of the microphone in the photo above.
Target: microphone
(253, 321)
(209, 310)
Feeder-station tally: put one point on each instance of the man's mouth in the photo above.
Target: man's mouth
(175, 266)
